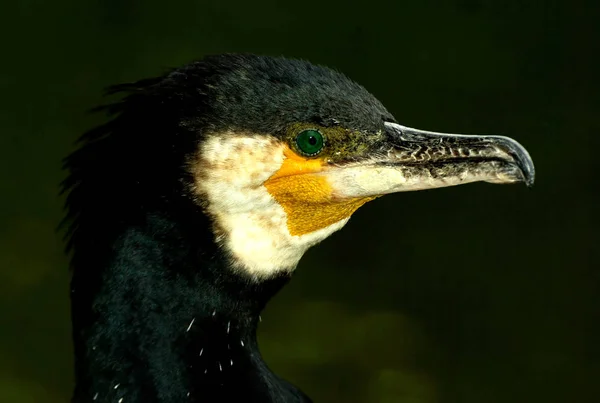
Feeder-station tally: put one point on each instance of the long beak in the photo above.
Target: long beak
(415, 159)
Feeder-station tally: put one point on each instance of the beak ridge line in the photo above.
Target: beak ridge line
(516, 151)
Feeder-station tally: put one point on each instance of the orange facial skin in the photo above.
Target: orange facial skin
(301, 187)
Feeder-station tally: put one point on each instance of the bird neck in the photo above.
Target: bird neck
(158, 316)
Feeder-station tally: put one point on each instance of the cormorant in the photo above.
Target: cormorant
(191, 208)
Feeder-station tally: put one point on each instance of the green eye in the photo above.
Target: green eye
(310, 142)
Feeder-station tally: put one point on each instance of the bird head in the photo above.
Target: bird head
(279, 153)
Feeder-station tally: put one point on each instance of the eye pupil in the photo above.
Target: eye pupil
(310, 142)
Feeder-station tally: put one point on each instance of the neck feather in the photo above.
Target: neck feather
(159, 316)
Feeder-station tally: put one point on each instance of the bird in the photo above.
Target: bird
(191, 206)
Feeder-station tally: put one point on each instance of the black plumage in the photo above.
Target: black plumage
(145, 263)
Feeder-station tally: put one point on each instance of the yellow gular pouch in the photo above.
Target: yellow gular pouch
(301, 188)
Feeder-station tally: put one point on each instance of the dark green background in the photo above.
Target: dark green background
(472, 294)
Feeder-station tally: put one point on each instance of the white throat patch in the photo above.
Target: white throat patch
(229, 173)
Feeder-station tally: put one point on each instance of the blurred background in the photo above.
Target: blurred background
(473, 294)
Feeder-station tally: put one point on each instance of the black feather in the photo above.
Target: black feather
(145, 262)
